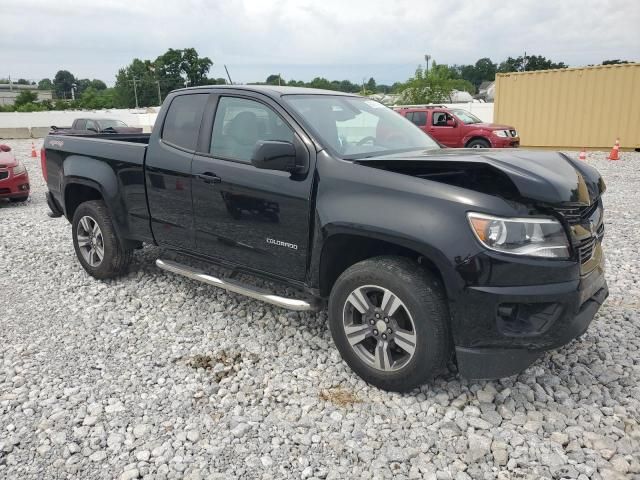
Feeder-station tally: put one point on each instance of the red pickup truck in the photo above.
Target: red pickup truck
(454, 127)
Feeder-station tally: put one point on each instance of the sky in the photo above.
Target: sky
(302, 39)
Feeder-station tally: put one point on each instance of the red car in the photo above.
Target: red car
(454, 127)
(14, 179)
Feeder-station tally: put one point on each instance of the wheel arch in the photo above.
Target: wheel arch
(476, 136)
(343, 249)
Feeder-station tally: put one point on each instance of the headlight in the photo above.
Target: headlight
(19, 169)
(536, 237)
(501, 133)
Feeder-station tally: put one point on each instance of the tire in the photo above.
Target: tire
(423, 312)
(115, 258)
(19, 199)
(479, 143)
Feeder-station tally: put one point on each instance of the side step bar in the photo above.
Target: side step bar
(242, 289)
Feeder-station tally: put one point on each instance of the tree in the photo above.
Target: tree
(81, 85)
(371, 85)
(98, 84)
(141, 72)
(614, 62)
(274, 79)
(528, 63)
(195, 68)
(434, 87)
(45, 84)
(25, 97)
(62, 83)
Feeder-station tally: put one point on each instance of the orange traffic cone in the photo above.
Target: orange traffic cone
(34, 154)
(583, 155)
(614, 155)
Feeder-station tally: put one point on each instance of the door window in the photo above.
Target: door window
(182, 123)
(440, 119)
(92, 125)
(419, 118)
(240, 124)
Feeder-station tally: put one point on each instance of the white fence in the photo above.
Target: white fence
(36, 124)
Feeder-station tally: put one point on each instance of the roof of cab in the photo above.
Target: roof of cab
(271, 90)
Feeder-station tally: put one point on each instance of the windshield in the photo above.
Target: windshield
(466, 117)
(356, 127)
(112, 124)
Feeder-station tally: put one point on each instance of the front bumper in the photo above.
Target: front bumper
(505, 142)
(14, 186)
(521, 323)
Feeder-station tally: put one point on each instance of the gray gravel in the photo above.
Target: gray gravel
(152, 376)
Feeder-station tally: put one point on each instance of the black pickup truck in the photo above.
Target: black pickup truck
(422, 254)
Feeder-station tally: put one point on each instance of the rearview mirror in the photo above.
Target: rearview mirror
(274, 155)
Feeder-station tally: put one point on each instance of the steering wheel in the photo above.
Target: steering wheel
(366, 139)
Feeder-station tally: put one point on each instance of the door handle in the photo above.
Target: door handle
(209, 177)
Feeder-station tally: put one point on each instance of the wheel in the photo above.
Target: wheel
(97, 247)
(479, 143)
(389, 320)
(19, 199)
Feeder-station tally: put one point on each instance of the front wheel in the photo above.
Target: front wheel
(389, 320)
(479, 143)
(95, 241)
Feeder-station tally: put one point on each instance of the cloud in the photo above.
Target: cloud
(360, 38)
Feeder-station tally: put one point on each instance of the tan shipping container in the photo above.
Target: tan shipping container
(572, 108)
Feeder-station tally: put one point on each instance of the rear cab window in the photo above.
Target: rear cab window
(418, 118)
(182, 122)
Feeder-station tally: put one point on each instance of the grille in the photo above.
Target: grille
(588, 245)
(3, 175)
(573, 215)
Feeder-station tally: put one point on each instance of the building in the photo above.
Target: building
(9, 93)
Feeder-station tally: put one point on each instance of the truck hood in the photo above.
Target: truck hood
(490, 126)
(542, 176)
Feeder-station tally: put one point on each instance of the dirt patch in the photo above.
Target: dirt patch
(339, 396)
(222, 363)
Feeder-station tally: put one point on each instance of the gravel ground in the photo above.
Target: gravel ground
(154, 376)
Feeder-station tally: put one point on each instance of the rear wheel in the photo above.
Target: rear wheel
(97, 247)
(389, 320)
(479, 143)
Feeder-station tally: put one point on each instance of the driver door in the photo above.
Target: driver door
(244, 215)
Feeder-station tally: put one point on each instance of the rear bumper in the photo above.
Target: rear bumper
(527, 321)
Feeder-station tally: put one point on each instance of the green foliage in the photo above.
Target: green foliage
(25, 97)
(62, 83)
(98, 84)
(528, 63)
(173, 69)
(433, 87)
(614, 62)
(45, 84)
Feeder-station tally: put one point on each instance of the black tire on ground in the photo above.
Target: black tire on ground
(19, 199)
(424, 297)
(116, 258)
(479, 143)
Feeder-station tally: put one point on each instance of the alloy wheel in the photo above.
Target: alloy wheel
(90, 241)
(379, 328)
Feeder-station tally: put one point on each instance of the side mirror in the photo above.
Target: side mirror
(274, 155)
(451, 122)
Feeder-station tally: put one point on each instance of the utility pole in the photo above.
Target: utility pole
(228, 76)
(10, 84)
(73, 91)
(135, 91)
(279, 79)
(524, 62)
(159, 96)
(427, 57)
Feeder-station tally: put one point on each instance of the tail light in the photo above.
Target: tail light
(43, 163)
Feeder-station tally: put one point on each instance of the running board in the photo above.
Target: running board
(236, 287)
